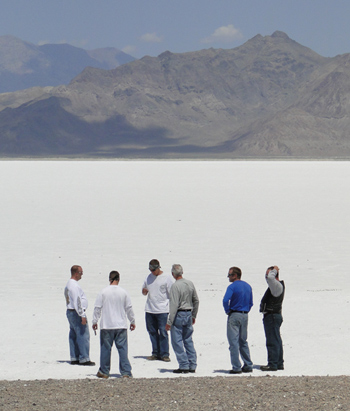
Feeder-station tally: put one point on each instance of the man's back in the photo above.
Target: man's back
(116, 305)
(239, 296)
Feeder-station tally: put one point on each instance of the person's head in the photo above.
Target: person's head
(114, 276)
(177, 271)
(76, 272)
(234, 273)
(154, 266)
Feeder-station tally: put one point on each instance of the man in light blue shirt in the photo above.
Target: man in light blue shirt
(237, 302)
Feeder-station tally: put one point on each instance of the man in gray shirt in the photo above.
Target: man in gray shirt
(183, 308)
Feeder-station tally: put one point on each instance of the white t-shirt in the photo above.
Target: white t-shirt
(158, 287)
(75, 297)
(113, 304)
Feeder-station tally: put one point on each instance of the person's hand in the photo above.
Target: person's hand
(132, 327)
(193, 320)
(83, 320)
(144, 291)
(94, 327)
(167, 327)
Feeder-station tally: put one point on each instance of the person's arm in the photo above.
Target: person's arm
(144, 288)
(226, 300)
(195, 303)
(275, 286)
(97, 312)
(75, 296)
(173, 306)
(130, 312)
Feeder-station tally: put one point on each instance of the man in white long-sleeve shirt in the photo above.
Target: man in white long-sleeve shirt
(271, 307)
(77, 304)
(113, 306)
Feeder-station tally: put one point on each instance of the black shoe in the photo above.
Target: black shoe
(181, 371)
(267, 368)
(74, 362)
(235, 372)
(247, 369)
(280, 367)
(191, 370)
(87, 363)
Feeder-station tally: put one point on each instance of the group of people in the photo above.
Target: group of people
(172, 305)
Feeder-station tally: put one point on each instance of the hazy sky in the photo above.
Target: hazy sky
(149, 27)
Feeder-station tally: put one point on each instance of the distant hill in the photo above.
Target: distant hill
(24, 65)
(269, 98)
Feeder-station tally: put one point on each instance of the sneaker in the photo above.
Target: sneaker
(87, 363)
(126, 376)
(101, 375)
(74, 362)
(166, 359)
(247, 369)
(267, 368)
(280, 367)
(193, 370)
(152, 358)
(181, 371)
(235, 371)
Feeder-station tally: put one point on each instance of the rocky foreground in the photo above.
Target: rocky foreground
(186, 393)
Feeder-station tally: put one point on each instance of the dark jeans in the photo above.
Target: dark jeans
(272, 325)
(155, 324)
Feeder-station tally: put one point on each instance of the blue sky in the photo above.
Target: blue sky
(149, 27)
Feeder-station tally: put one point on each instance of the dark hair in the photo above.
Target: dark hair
(74, 269)
(237, 271)
(154, 262)
(114, 276)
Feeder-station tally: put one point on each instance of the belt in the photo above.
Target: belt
(236, 311)
(70, 309)
(185, 310)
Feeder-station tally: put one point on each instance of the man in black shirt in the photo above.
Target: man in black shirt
(271, 307)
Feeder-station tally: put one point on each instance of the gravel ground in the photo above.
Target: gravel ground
(184, 393)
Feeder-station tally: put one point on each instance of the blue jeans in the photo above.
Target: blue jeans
(181, 340)
(272, 325)
(155, 324)
(79, 338)
(237, 333)
(120, 338)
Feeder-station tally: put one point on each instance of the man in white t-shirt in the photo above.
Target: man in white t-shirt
(113, 306)
(157, 287)
(77, 303)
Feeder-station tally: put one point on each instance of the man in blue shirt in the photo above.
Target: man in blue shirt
(237, 302)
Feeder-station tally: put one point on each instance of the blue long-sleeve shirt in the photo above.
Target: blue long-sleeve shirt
(238, 297)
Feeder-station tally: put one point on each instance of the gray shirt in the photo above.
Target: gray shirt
(183, 296)
(275, 286)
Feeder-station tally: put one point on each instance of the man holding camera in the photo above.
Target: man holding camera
(271, 307)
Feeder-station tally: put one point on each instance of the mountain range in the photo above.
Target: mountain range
(268, 98)
(24, 65)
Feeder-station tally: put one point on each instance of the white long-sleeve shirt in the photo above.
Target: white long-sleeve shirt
(75, 298)
(113, 305)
